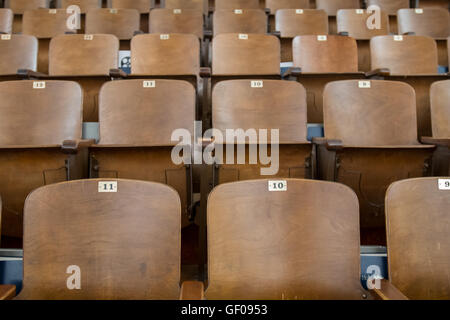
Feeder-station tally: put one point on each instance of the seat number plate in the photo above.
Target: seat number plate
(107, 186)
(277, 185)
(444, 184)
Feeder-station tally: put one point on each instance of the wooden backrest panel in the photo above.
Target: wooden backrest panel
(152, 114)
(382, 115)
(332, 6)
(247, 21)
(236, 4)
(154, 54)
(255, 54)
(45, 116)
(283, 245)
(277, 105)
(412, 55)
(440, 108)
(45, 23)
(432, 22)
(125, 243)
(6, 20)
(418, 225)
(20, 6)
(18, 52)
(275, 5)
(335, 54)
(120, 22)
(389, 6)
(292, 24)
(187, 4)
(85, 5)
(143, 6)
(78, 54)
(355, 23)
(167, 21)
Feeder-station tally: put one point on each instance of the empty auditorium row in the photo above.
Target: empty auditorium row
(260, 242)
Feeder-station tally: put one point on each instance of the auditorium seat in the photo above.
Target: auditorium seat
(236, 4)
(274, 5)
(440, 120)
(6, 20)
(297, 22)
(331, 7)
(411, 59)
(17, 52)
(201, 5)
(44, 24)
(283, 245)
(319, 60)
(371, 141)
(353, 23)
(47, 150)
(239, 21)
(119, 245)
(20, 6)
(418, 225)
(431, 22)
(136, 144)
(122, 23)
(167, 21)
(390, 7)
(143, 6)
(434, 4)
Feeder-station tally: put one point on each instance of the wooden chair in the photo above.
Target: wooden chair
(319, 59)
(433, 4)
(239, 21)
(431, 22)
(390, 7)
(274, 5)
(410, 59)
(236, 4)
(371, 141)
(44, 24)
(6, 20)
(143, 6)
(353, 23)
(283, 245)
(292, 22)
(169, 21)
(331, 7)
(123, 245)
(20, 6)
(123, 23)
(47, 150)
(17, 51)
(201, 5)
(137, 144)
(440, 119)
(418, 225)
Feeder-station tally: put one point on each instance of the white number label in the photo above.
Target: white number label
(298, 11)
(176, 11)
(277, 185)
(6, 37)
(113, 11)
(107, 186)
(88, 37)
(321, 38)
(364, 84)
(243, 36)
(149, 84)
(39, 85)
(52, 11)
(238, 11)
(359, 11)
(257, 84)
(164, 37)
(444, 184)
(419, 10)
(398, 38)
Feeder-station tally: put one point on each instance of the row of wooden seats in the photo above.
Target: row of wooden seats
(287, 245)
(370, 136)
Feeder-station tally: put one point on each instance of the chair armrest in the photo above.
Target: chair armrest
(387, 291)
(30, 74)
(70, 32)
(138, 32)
(436, 141)
(384, 72)
(192, 290)
(7, 291)
(410, 33)
(267, 11)
(205, 72)
(207, 34)
(330, 144)
(117, 73)
(294, 72)
(276, 34)
(343, 33)
(74, 146)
